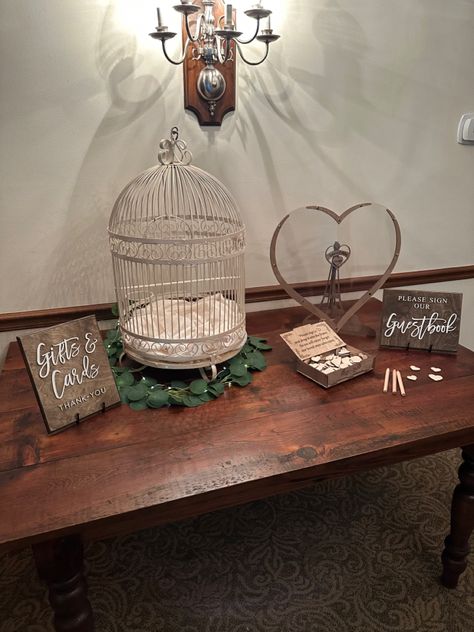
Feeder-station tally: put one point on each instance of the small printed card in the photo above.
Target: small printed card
(311, 340)
(70, 372)
(421, 320)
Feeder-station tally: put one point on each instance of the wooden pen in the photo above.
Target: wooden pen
(400, 384)
(394, 382)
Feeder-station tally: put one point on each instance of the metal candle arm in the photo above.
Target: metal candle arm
(223, 59)
(181, 59)
(253, 37)
(253, 63)
(197, 30)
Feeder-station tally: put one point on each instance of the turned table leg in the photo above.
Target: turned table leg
(60, 565)
(462, 522)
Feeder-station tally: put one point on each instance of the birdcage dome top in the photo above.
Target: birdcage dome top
(174, 200)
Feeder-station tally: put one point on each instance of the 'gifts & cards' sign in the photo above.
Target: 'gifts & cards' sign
(421, 320)
(70, 372)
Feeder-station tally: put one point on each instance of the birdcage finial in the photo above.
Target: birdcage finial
(174, 151)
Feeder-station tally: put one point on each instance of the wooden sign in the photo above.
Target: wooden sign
(312, 340)
(70, 372)
(421, 320)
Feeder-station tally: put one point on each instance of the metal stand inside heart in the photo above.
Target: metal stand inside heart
(336, 256)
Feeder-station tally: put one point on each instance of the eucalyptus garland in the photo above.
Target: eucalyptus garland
(141, 390)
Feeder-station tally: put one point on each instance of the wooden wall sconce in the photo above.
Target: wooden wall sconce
(210, 46)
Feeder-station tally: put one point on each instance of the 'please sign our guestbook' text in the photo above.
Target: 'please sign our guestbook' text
(421, 320)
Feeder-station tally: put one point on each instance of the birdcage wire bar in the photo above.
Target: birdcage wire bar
(177, 243)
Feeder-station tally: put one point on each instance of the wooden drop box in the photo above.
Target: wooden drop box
(339, 375)
(319, 339)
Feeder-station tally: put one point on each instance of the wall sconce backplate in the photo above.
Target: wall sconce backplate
(208, 112)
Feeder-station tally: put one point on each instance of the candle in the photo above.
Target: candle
(158, 15)
(269, 24)
(228, 18)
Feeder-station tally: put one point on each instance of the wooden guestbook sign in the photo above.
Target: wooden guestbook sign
(421, 320)
(70, 372)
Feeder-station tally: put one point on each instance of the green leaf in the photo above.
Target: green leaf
(111, 336)
(114, 310)
(178, 384)
(123, 396)
(262, 346)
(197, 387)
(111, 349)
(243, 380)
(137, 392)
(176, 400)
(192, 400)
(121, 369)
(216, 387)
(256, 360)
(157, 398)
(259, 343)
(237, 367)
(139, 405)
(148, 381)
(125, 379)
(206, 397)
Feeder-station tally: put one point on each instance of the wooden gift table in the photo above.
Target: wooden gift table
(123, 470)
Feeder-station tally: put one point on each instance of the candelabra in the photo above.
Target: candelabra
(210, 42)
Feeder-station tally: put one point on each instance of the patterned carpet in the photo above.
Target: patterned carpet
(355, 554)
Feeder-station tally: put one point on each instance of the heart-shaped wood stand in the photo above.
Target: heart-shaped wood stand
(316, 310)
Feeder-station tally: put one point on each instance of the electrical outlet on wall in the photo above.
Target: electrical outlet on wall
(466, 129)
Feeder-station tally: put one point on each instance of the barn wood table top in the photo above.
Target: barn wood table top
(125, 470)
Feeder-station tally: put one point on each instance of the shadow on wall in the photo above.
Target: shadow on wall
(117, 59)
(83, 255)
(338, 88)
(333, 101)
(281, 89)
(355, 95)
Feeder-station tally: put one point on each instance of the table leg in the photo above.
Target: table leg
(462, 523)
(60, 565)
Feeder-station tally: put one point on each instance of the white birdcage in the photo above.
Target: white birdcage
(177, 243)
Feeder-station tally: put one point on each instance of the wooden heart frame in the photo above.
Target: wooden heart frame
(314, 309)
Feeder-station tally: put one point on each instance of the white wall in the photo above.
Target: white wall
(358, 101)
